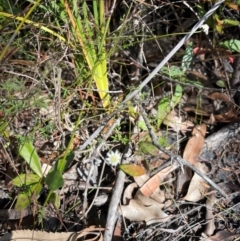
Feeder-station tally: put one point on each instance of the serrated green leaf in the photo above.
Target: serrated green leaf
(26, 179)
(146, 147)
(29, 154)
(55, 200)
(54, 180)
(232, 44)
(132, 169)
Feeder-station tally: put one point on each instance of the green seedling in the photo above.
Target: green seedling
(232, 45)
(167, 103)
(31, 183)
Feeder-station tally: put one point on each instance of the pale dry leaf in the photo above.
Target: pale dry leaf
(221, 235)
(145, 201)
(128, 193)
(140, 180)
(195, 144)
(210, 224)
(197, 189)
(158, 195)
(174, 121)
(143, 208)
(23, 235)
(135, 211)
(154, 182)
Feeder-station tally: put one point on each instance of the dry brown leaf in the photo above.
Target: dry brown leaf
(154, 182)
(143, 208)
(23, 235)
(195, 144)
(196, 189)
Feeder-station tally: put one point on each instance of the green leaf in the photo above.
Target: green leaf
(29, 154)
(55, 200)
(146, 147)
(54, 180)
(24, 199)
(132, 169)
(166, 104)
(232, 44)
(230, 22)
(173, 71)
(187, 58)
(142, 125)
(221, 83)
(26, 179)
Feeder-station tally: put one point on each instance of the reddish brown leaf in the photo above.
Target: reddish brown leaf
(195, 144)
(153, 183)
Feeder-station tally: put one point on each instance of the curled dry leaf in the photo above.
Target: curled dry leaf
(154, 182)
(128, 193)
(143, 208)
(195, 144)
(197, 188)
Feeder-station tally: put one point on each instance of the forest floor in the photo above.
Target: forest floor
(104, 135)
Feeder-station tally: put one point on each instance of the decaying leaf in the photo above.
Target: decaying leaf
(143, 208)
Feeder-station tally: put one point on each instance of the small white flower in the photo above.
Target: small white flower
(205, 28)
(113, 158)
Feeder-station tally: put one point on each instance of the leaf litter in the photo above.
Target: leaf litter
(162, 199)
